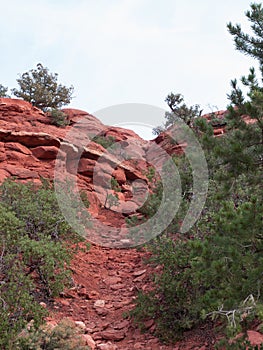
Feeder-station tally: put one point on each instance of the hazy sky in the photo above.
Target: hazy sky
(126, 51)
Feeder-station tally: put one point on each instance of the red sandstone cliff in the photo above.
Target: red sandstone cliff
(29, 146)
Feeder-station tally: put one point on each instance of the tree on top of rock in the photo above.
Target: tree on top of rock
(179, 111)
(3, 91)
(40, 87)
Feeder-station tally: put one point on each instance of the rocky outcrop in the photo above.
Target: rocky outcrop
(171, 146)
(29, 139)
(30, 146)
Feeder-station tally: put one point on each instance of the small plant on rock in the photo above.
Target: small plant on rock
(104, 141)
(3, 91)
(111, 201)
(64, 336)
(58, 117)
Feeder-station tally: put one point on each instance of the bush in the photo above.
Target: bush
(115, 185)
(3, 91)
(58, 117)
(45, 250)
(64, 336)
(211, 276)
(18, 306)
(237, 344)
(104, 141)
(35, 253)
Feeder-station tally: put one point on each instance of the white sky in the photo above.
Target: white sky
(126, 51)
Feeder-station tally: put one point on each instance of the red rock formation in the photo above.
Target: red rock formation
(166, 142)
(29, 146)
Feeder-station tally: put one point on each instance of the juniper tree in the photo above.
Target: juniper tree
(178, 110)
(3, 91)
(40, 87)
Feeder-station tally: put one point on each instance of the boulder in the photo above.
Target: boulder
(45, 152)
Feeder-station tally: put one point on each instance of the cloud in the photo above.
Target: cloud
(125, 50)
